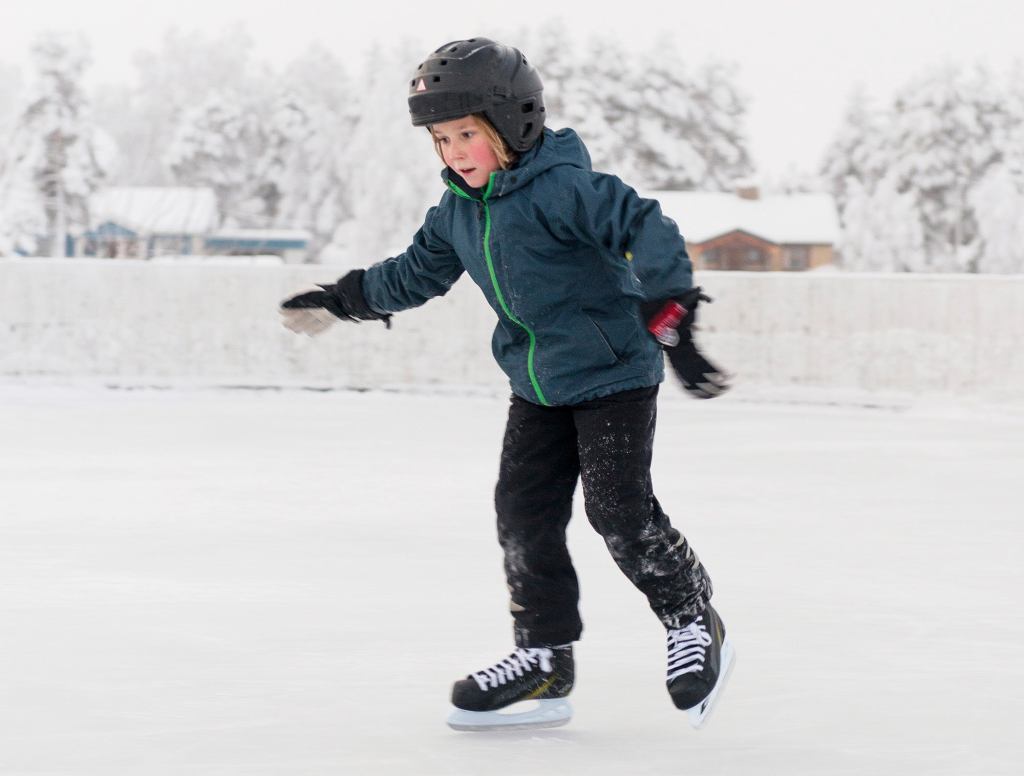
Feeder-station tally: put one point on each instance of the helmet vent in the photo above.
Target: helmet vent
(528, 107)
(527, 128)
(454, 48)
(444, 62)
(436, 78)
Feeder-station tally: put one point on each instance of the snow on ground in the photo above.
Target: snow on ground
(231, 582)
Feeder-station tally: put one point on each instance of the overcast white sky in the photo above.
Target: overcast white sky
(799, 59)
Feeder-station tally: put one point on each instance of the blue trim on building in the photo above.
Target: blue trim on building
(269, 245)
(112, 236)
(110, 229)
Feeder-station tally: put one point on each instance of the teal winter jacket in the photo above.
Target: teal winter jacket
(564, 256)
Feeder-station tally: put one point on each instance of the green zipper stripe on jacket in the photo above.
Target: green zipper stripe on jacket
(497, 288)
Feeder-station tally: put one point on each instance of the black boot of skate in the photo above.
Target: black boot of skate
(541, 674)
(699, 660)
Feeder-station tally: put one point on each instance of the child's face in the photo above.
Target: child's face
(466, 149)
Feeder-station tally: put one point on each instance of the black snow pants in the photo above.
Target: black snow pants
(607, 443)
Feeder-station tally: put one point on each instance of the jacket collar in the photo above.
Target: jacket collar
(457, 183)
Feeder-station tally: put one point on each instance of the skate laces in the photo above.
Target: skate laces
(687, 648)
(520, 662)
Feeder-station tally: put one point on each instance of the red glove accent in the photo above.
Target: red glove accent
(664, 324)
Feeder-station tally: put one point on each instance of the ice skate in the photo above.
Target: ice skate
(525, 690)
(699, 660)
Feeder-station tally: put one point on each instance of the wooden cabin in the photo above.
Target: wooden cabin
(744, 231)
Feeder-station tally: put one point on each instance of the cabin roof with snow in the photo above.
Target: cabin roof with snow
(794, 219)
(154, 210)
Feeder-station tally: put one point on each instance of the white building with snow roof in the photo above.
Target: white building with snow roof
(745, 231)
(142, 222)
(139, 222)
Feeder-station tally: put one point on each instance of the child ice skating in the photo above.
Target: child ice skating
(591, 284)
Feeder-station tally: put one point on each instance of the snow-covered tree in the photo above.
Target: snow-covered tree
(389, 166)
(22, 217)
(221, 143)
(939, 141)
(943, 136)
(313, 120)
(667, 138)
(998, 198)
(856, 153)
(600, 104)
(51, 160)
(998, 205)
(883, 230)
(648, 118)
(19, 225)
(689, 126)
(183, 72)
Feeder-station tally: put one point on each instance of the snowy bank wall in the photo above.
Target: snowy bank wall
(132, 322)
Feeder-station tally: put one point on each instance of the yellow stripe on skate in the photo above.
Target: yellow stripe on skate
(540, 690)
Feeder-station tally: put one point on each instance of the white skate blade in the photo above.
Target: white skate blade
(547, 713)
(699, 714)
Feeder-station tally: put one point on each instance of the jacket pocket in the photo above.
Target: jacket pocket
(612, 353)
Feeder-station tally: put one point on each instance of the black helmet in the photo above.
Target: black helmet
(480, 76)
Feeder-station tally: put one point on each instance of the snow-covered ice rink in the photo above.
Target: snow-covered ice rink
(286, 582)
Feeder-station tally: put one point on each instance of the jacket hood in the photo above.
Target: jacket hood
(553, 149)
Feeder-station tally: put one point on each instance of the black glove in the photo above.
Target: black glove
(344, 300)
(671, 324)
